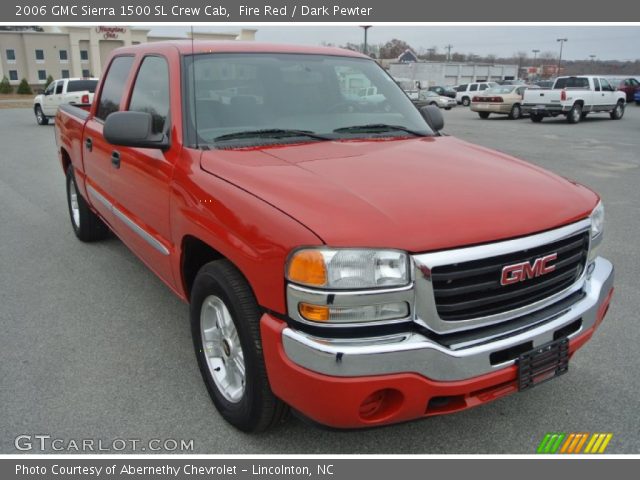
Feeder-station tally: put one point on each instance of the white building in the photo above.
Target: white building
(64, 52)
(438, 73)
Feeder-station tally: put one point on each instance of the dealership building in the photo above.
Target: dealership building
(65, 52)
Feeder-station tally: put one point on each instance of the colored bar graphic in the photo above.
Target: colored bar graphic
(572, 443)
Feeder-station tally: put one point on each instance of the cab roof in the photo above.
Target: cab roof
(186, 47)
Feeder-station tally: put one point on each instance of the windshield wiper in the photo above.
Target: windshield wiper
(378, 128)
(271, 133)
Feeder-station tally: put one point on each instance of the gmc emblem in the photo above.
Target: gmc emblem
(520, 272)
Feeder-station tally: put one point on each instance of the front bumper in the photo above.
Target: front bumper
(328, 380)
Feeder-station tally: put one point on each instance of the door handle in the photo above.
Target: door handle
(89, 144)
(115, 159)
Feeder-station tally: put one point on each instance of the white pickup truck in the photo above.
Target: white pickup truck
(574, 97)
(77, 91)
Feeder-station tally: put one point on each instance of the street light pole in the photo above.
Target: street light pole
(535, 55)
(561, 40)
(365, 28)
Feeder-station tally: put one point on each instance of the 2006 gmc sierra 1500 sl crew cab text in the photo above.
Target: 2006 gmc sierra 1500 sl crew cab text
(342, 258)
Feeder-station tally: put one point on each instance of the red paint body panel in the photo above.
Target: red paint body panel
(336, 401)
(413, 194)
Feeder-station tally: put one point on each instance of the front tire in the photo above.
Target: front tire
(617, 112)
(86, 225)
(225, 326)
(41, 118)
(575, 114)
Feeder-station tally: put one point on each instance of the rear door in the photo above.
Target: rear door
(97, 152)
(141, 185)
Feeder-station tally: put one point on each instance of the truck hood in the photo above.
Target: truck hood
(416, 194)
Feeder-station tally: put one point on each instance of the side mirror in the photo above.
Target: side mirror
(433, 117)
(133, 129)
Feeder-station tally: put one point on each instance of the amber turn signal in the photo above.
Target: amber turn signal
(315, 313)
(308, 268)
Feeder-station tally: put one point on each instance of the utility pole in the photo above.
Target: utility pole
(535, 55)
(561, 40)
(365, 28)
(448, 49)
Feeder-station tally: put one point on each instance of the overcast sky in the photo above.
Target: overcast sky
(607, 43)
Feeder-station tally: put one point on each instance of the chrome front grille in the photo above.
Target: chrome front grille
(460, 289)
(473, 289)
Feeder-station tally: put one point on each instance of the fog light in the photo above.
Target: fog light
(381, 404)
(366, 313)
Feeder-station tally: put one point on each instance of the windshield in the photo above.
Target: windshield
(256, 98)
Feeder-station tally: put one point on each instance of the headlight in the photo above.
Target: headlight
(348, 268)
(597, 220)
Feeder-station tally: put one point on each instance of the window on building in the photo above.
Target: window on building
(64, 57)
(13, 75)
(113, 87)
(65, 73)
(151, 91)
(84, 55)
(40, 55)
(11, 55)
(86, 73)
(42, 75)
(59, 87)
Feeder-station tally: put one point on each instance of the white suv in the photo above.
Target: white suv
(465, 92)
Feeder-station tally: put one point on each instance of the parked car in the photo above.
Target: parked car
(504, 99)
(360, 267)
(466, 91)
(636, 97)
(444, 91)
(628, 85)
(575, 97)
(410, 87)
(60, 92)
(426, 97)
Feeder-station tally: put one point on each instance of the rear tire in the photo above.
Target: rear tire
(40, 116)
(516, 112)
(617, 112)
(536, 117)
(225, 326)
(483, 115)
(86, 225)
(466, 101)
(575, 114)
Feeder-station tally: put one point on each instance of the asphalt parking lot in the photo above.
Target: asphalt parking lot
(94, 346)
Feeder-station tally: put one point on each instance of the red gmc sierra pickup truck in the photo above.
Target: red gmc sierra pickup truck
(341, 256)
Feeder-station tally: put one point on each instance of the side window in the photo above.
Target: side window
(113, 87)
(49, 89)
(634, 82)
(605, 85)
(151, 91)
(59, 87)
(462, 88)
(596, 85)
(483, 86)
(473, 87)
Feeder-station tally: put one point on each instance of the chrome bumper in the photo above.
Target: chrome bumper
(413, 352)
